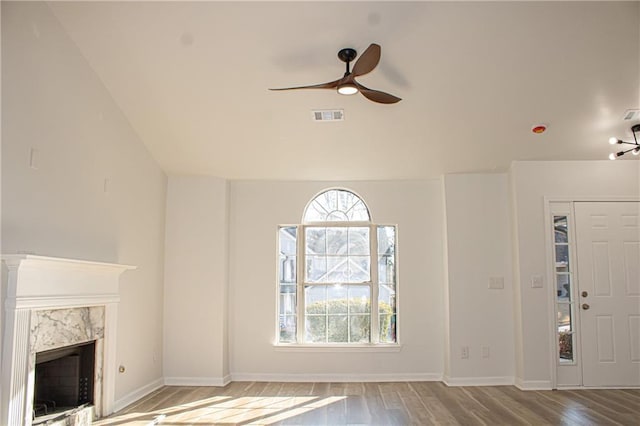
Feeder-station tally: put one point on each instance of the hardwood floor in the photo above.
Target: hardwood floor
(405, 403)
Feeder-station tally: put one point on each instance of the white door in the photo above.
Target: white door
(608, 255)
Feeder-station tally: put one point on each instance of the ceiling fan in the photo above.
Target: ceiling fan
(347, 85)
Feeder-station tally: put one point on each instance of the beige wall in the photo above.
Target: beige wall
(479, 248)
(196, 260)
(256, 210)
(56, 105)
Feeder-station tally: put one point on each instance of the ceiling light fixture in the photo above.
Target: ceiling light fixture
(636, 146)
(347, 89)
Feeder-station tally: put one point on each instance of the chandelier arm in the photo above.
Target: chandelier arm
(621, 153)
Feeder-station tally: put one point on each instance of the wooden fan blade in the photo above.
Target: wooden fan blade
(330, 85)
(377, 96)
(367, 61)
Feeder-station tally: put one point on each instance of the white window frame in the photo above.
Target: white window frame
(373, 284)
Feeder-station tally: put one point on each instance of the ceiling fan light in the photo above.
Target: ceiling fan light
(613, 141)
(612, 156)
(347, 89)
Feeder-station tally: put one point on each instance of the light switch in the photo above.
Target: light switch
(536, 281)
(496, 283)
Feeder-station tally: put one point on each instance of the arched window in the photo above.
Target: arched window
(337, 275)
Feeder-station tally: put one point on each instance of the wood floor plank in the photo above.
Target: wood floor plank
(574, 410)
(399, 403)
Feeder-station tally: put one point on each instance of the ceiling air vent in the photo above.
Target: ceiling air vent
(328, 115)
(631, 114)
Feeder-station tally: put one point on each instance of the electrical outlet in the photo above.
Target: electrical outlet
(484, 350)
(464, 352)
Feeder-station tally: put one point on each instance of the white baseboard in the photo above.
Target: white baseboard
(306, 377)
(533, 384)
(197, 381)
(134, 396)
(478, 381)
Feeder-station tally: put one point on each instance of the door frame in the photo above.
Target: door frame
(550, 276)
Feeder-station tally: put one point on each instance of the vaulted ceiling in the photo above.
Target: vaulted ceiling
(193, 77)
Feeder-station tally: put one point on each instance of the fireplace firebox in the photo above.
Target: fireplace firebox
(64, 379)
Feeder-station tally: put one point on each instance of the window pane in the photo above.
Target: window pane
(336, 205)
(287, 269)
(359, 328)
(359, 299)
(337, 269)
(287, 328)
(343, 312)
(316, 241)
(315, 329)
(387, 309)
(565, 347)
(337, 299)
(288, 240)
(564, 317)
(358, 241)
(359, 267)
(287, 301)
(337, 255)
(316, 269)
(336, 241)
(564, 287)
(315, 299)
(386, 269)
(387, 298)
(358, 212)
(562, 258)
(387, 328)
(338, 332)
(386, 240)
(560, 229)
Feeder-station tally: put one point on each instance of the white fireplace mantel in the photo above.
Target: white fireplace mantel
(38, 283)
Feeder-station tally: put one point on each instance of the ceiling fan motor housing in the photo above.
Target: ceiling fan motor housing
(347, 55)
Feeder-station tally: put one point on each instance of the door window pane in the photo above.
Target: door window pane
(565, 347)
(562, 258)
(564, 288)
(560, 229)
(564, 317)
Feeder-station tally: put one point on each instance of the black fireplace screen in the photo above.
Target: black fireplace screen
(64, 378)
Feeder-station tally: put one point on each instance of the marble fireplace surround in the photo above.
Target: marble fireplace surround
(51, 303)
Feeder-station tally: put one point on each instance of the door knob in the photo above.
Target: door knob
(585, 294)
(585, 306)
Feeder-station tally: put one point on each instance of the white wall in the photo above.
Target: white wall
(479, 247)
(195, 320)
(532, 181)
(54, 103)
(256, 210)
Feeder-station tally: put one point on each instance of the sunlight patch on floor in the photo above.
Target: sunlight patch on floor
(224, 409)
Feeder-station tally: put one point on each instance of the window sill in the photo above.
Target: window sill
(336, 348)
